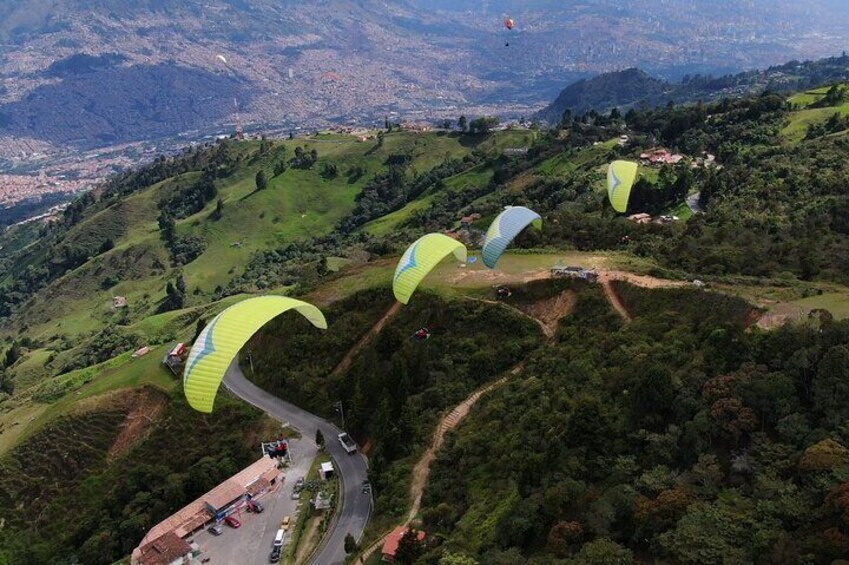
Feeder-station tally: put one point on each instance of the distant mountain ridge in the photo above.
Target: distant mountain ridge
(97, 73)
(632, 87)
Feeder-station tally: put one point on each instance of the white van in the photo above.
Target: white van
(278, 539)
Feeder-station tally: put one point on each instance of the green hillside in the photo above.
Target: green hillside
(186, 236)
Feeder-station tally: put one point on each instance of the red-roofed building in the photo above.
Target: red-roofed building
(467, 221)
(228, 497)
(660, 156)
(168, 549)
(390, 544)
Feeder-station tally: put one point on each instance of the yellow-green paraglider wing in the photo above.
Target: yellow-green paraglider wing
(220, 341)
(419, 259)
(620, 179)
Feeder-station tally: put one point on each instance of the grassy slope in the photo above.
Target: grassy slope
(296, 204)
(794, 131)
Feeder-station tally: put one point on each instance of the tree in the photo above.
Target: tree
(181, 283)
(831, 385)
(174, 298)
(219, 210)
(350, 544)
(410, 547)
(824, 456)
(387, 126)
(380, 139)
(449, 558)
(12, 355)
(319, 438)
(463, 124)
(604, 552)
(168, 227)
(261, 181)
(562, 535)
(201, 323)
(483, 125)
(446, 124)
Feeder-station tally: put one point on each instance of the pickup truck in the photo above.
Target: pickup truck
(347, 443)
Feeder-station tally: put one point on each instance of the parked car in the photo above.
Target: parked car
(255, 506)
(296, 495)
(279, 538)
(233, 522)
(299, 484)
(285, 523)
(366, 487)
(215, 530)
(275, 555)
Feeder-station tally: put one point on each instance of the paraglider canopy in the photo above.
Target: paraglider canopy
(620, 179)
(509, 23)
(220, 341)
(504, 228)
(419, 259)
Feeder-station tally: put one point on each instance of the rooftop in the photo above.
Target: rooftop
(163, 550)
(390, 545)
(224, 494)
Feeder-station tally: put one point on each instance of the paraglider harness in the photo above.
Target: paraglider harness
(502, 293)
(422, 334)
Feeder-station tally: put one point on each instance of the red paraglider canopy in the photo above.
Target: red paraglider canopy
(509, 23)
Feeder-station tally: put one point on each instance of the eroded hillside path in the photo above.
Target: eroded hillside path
(554, 308)
(346, 361)
(612, 297)
(421, 472)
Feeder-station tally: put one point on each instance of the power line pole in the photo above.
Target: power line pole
(341, 410)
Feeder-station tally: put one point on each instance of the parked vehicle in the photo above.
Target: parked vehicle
(275, 555)
(296, 495)
(299, 484)
(255, 506)
(215, 530)
(347, 443)
(278, 539)
(233, 522)
(284, 525)
(366, 487)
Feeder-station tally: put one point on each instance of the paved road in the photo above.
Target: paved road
(251, 544)
(356, 506)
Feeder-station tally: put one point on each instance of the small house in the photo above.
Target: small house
(327, 470)
(168, 549)
(119, 302)
(176, 357)
(391, 542)
(641, 218)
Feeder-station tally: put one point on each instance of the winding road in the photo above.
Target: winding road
(352, 469)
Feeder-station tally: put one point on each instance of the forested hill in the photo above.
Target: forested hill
(624, 89)
(685, 434)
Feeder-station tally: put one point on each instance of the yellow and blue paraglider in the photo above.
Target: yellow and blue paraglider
(419, 259)
(504, 228)
(620, 179)
(220, 341)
